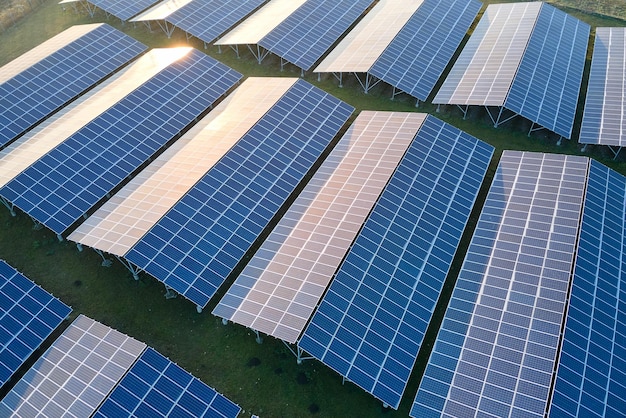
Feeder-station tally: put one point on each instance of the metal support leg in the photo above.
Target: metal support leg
(259, 339)
(224, 321)
(198, 308)
(105, 261)
(169, 293)
(9, 205)
(79, 247)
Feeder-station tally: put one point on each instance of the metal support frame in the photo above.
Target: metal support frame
(584, 148)
(616, 150)
(10, 206)
(298, 352)
(91, 9)
(464, 109)
(105, 261)
(170, 293)
(338, 77)
(368, 82)
(167, 28)
(133, 270)
(37, 225)
(534, 127)
(497, 121)
(236, 49)
(259, 54)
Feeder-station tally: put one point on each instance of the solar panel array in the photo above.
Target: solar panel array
(280, 286)
(548, 81)
(36, 143)
(591, 376)
(156, 387)
(28, 315)
(123, 9)
(68, 181)
(304, 36)
(372, 320)
(208, 19)
(75, 374)
(202, 238)
(37, 91)
(603, 121)
(484, 71)
(417, 56)
(360, 48)
(125, 218)
(497, 347)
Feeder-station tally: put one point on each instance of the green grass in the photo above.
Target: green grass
(225, 356)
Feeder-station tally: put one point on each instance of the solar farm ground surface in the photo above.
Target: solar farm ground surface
(228, 358)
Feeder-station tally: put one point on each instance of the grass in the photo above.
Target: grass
(263, 379)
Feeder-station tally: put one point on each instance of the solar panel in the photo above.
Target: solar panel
(602, 120)
(156, 387)
(54, 80)
(283, 282)
(484, 71)
(304, 37)
(68, 181)
(36, 143)
(371, 322)
(75, 374)
(259, 24)
(547, 83)
(125, 218)
(362, 46)
(123, 9)
(28, 315)
(417, 56)
(161, 10)
(208, 19)
(496, 349)
(591, 376)
(203, 237)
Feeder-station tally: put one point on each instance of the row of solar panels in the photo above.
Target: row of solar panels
(90, 369)
(523, 58)
(214, 217)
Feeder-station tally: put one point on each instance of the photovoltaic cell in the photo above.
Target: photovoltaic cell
(417, 56)
(156, 387)
(123, 9)
(28, 315)
(202, 238)
(603, 121)
(496, 349)
(208, 19)
(68, 181)
(304, 36)
(75, 374)
(547, 83)
(591, 376)
(47, 85)
(279, 288)
(372, 320)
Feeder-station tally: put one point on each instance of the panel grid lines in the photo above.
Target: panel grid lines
(497, 346)
(198, 243)
(123, 9)
(281, 285)
(28, 315)
(603, 119)
(64, 184)
(305, 36)
(371, 321)
(47, 85)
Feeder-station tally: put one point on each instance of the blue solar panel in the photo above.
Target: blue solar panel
(208, 19)
(28, 315)
(496, 349)
(68, 181)
(46, 86)
(591, 376)
(123, 9)
(546, 86)
(305, 36)
(156, 387)
(371, 323)
(198, 243)
(416, 58)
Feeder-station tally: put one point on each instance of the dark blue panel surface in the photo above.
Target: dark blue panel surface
(208, 19)
(46, 86)
(28, 315)
(156, 387)
(371, 322)
(197, 244)
(590, 379)
(415, 59)
(305, 36)
(123, 9)
(546, 86)
(68, 181)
